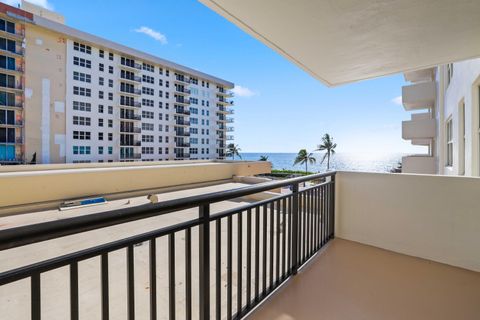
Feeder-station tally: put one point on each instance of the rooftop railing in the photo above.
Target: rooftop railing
(273, 239)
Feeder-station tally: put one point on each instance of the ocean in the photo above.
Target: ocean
(366, 162)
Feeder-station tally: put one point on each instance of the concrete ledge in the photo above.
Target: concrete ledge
(34, 186)
(427, 216)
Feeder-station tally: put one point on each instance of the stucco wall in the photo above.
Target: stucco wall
(432, 217)
(44, 95)
(51, 187)
(463, 87)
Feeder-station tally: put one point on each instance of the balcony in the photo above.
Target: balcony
(16, 87)
(223, 109)
(230, 129)
(182, 144)
(225, 93)
(182, 79)
(229, 120)
(422, 164)
(229, 137)
(182, 111)
(182, 91)
(134, 117)
(134, 92)
(225, 102)
(182, 155)
(181, 100)
(135, 79)
(131, 156)
(180, 122)
(135, 104)
(317, 244)
(419, 96)
(422, 126)
(18, 35)
(134, 143)
(182, 133)
(18, 69)
(130, 129)
(421, 75)
(18, 52)
(136, 67)
(16, 123)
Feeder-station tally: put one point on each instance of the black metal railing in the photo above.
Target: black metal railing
(263, 244)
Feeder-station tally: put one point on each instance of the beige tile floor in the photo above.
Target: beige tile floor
(352, 281)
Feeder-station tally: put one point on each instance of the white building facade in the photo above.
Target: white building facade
(445, 120)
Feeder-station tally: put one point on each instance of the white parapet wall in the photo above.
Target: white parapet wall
(427, 216)
(39, 187)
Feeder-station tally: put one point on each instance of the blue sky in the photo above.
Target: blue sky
(279, 107)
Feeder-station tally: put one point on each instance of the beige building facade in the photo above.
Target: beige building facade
(71, 97)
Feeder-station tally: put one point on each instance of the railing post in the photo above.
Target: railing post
(295, 208)
(204, 261)
(332, 206)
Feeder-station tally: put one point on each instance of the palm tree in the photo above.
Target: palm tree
(233, 150)
(328, 146)
(263, 158)
(303, 157)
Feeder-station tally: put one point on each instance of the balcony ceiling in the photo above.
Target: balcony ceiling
(341, 41)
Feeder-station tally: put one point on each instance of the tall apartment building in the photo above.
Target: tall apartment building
(446, 119)
(69, 96)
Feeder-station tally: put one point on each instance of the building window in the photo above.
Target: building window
(449, 73)
(100, 150)
(110, 137)
(110, 110)
(80, 76)
(449, 134)
(110, 56)
(101, 81)
(81, 150)
(80, 91)
(100, 136)
(110, 151)
(101, 67)
(100, 108)
(82, 62)
(110, 69)
(82, 48)
(82, 106)
(81, 135)
(81, 121)
(101, 53)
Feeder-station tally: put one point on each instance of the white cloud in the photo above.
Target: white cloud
(153, 34)
(42, 3)
(240, 91)
(397, 100)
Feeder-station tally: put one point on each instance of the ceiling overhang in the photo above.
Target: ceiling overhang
(342, 41)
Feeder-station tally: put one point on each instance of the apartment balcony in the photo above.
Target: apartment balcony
(134, 92)
(134, 143)
(130, 129)
(221, 119)
(17, 70)
(230, 129)
(132, 67)
(229, 137)
(180, 122)
(225, 110)
(133, 117)
(131, 156)
(18, 52)
(225, 93)
(182, 144)
(419, 96)
(229, 120)
(182, 91)
(182, 111)
(135, 79)
(182, 155)
(135, 104)
(422, 126)
(18, 35)
(421, 75)
(182, 79)
(422, 164)
(339, 245)
(15, 88)
(182, 133)
(225, 102)
(182, 101)
(16, 123)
